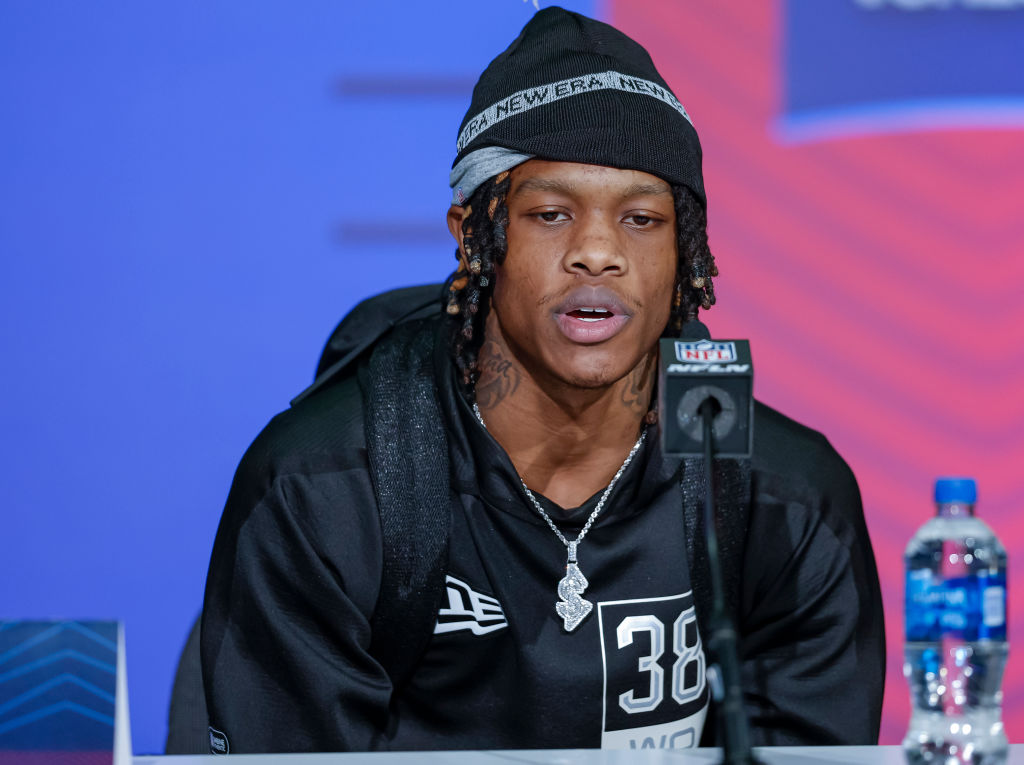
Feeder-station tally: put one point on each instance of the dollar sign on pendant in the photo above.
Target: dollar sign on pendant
(573, 609)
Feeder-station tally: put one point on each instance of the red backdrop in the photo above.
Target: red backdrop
(877, 280)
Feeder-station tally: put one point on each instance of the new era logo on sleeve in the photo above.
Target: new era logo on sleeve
(468, 610)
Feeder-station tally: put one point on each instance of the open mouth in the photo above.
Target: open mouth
(590, 314)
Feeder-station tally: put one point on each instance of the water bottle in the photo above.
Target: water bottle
(955, 648)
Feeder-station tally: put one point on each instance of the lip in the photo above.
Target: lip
(589, 332)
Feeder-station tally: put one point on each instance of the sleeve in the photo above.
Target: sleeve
(293, 580)
(813, 642)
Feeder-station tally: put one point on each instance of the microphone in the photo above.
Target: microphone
(695, 369)
(695, 329)
(707, 404)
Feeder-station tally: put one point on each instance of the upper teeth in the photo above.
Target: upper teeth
(592, 310)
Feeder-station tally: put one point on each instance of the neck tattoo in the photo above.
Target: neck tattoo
(571, 607)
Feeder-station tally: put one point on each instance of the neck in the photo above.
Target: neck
(565, 442)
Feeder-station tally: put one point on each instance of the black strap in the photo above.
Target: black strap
(732, 508)
(408, 455)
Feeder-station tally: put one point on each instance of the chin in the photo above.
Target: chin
(593, 375)
(589, 382)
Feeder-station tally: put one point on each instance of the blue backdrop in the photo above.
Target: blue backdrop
(192, 193)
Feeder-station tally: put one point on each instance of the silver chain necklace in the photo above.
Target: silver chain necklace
(572, 608)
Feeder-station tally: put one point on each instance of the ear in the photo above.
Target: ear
(456, 215)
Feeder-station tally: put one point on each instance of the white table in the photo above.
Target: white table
(795, 755)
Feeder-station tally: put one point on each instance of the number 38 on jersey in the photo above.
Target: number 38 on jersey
(655, 692)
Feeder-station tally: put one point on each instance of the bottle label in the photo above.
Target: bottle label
(993, 606)
(969, 607)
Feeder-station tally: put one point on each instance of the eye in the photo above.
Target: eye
(551, 216)
(639, 220)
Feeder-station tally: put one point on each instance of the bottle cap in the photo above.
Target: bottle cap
(956, 490)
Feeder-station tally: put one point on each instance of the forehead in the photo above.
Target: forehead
(537, 175)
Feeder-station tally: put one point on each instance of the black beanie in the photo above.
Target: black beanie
(573, 89)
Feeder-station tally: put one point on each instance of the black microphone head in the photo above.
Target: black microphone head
(694, 330)
(692, 370)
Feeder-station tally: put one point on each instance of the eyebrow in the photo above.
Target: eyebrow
(559, 187)
(645, 189)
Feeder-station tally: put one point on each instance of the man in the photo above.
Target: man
(571, 612)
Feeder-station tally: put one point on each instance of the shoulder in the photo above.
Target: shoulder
(302, 493)
(806, 520)
(799, 481)
(787, 453)
(300, 531)
(320, 436)
(316, 429)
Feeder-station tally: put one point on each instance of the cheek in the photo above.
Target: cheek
(519, 281)
(660, 275)
(661, 310)
(512, 298)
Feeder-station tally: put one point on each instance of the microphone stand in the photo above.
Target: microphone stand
(722, 646)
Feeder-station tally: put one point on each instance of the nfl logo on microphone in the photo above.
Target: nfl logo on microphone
(705, 351)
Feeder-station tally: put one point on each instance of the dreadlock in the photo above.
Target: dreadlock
(696, 265)
(471, 286)
(484, 244)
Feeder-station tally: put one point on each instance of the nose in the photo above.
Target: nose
(594, 249)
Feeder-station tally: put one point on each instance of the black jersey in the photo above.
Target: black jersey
(632, 673)
(296, 570)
